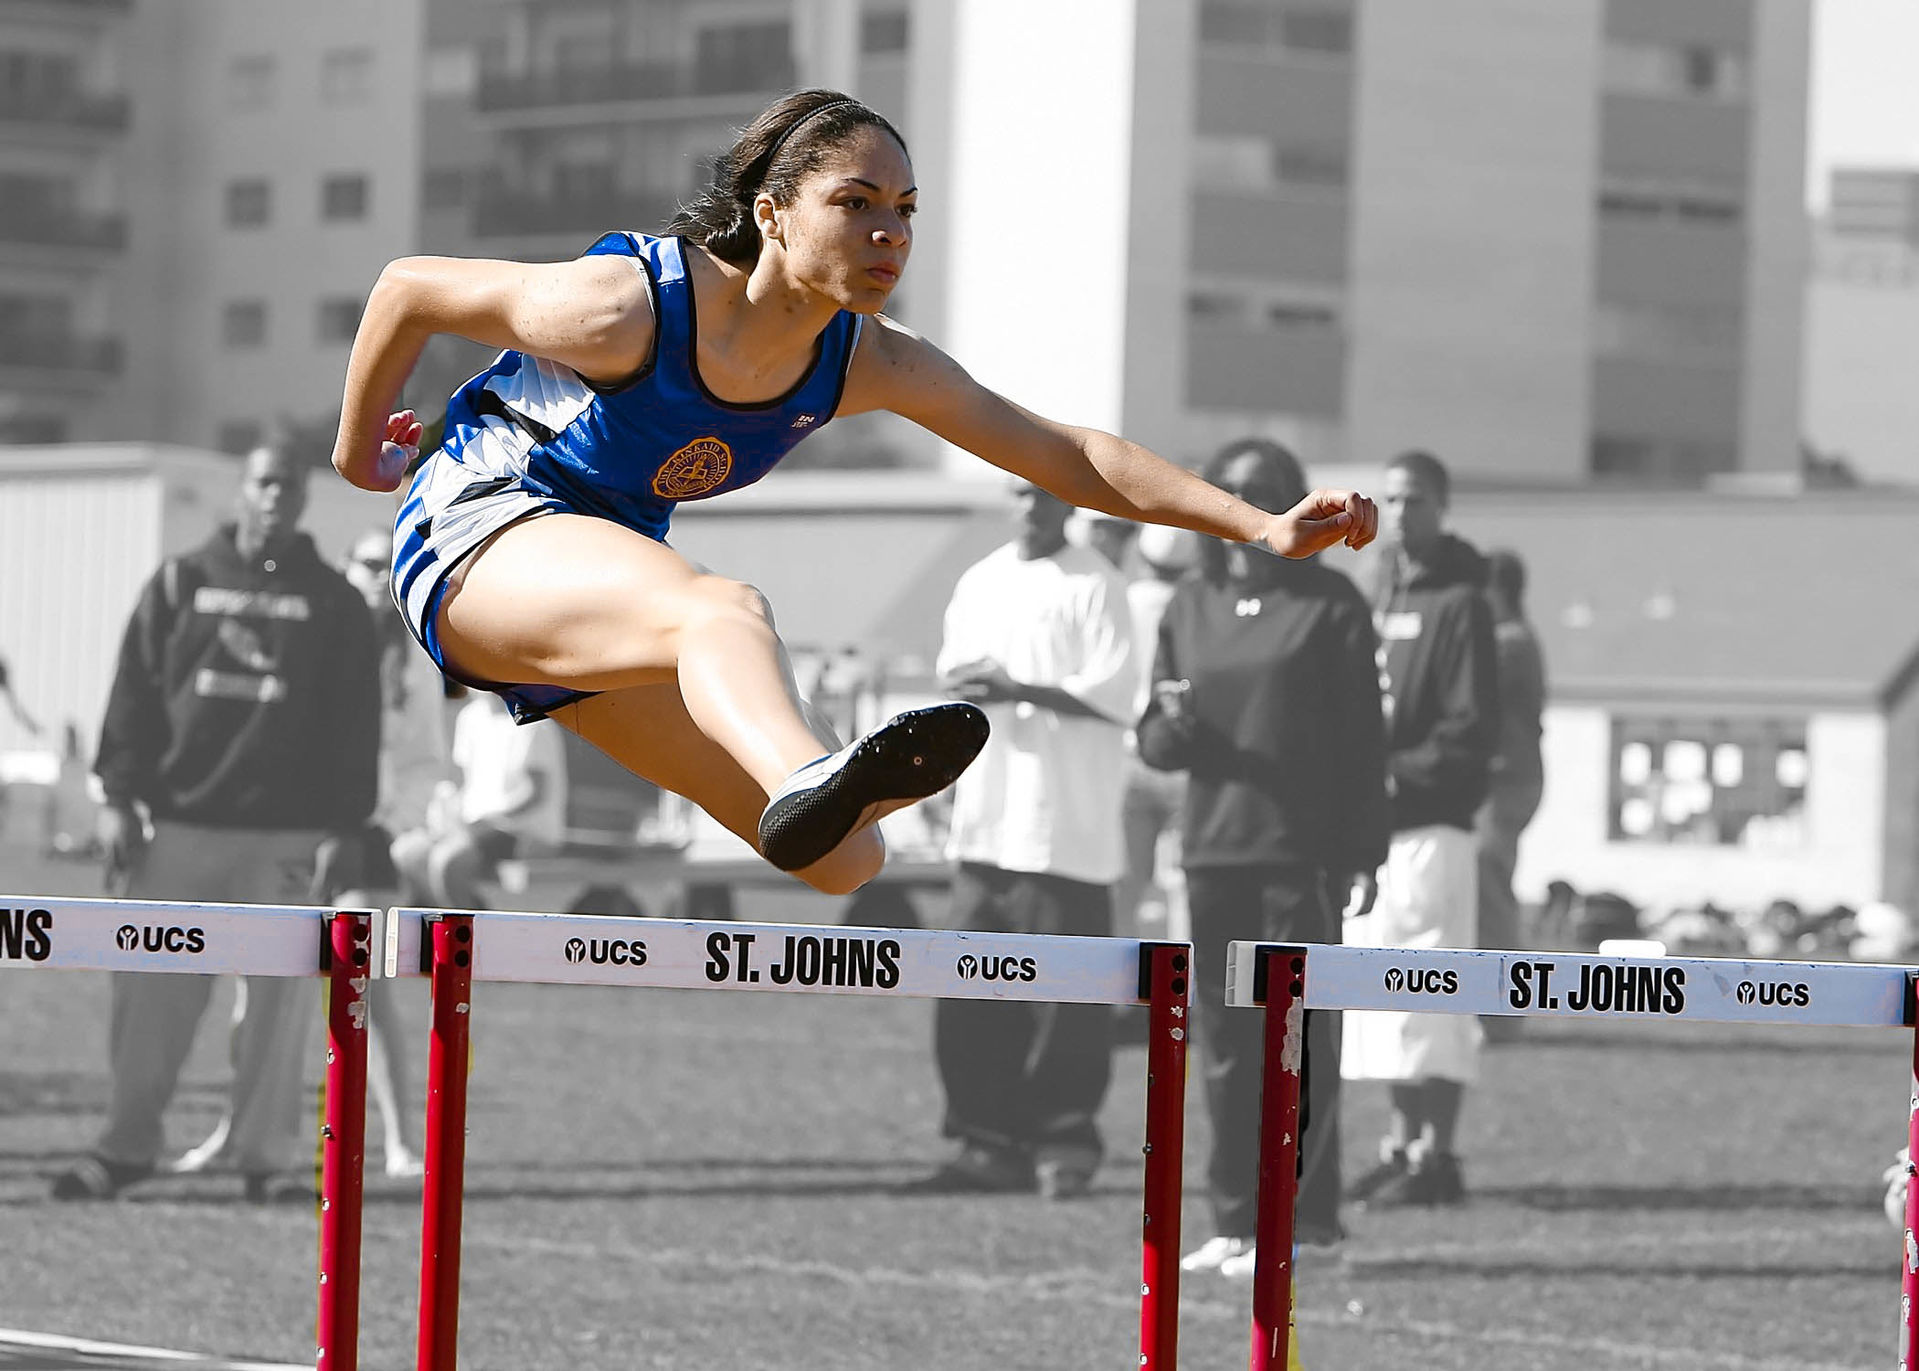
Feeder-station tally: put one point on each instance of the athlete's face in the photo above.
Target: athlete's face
(850, 226)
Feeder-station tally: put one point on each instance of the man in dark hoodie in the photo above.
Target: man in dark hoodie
(244, 727)
(1439, 674)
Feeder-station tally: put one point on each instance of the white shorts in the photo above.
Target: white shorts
(1428, 897)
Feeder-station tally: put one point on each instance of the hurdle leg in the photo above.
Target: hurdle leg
(1285, 976)
(348, 965)
(1909, 1264)
(1168, 1036)
(452, 971)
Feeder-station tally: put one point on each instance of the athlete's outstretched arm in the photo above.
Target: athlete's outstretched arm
(594, 314)
(900, 371)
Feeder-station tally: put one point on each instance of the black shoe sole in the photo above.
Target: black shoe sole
(909, 757)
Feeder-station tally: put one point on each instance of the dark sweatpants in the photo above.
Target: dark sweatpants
(1020, 1074)
(1262, 904)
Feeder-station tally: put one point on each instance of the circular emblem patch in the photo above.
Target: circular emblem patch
(702, 465)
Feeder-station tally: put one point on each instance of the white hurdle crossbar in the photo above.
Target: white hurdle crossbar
(42, 933)
(1288, 979)
(457, 947)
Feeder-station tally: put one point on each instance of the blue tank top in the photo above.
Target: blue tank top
(631, 451)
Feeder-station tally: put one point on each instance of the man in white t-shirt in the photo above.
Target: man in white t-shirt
(1038, 634)
(511, 800)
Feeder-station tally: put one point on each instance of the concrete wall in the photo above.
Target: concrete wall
(1472, 243)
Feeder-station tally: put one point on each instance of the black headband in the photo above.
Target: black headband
(802, 122)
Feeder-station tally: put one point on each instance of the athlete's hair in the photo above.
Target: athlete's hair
(1428, 470)
(1278, 467)
(772, 155)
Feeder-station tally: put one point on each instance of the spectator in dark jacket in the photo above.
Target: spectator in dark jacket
(1266, 693)
(244, 727)
(1518, 777)
(1441, 699)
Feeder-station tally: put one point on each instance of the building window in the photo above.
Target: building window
(346, 76)
(884, 32)
(1263, 306)
(343, 198)
(1248, 163)
(249, 202)
(1690, 71)
(243, 323)
(1690, 202)
(1652, 460)
(239, 436)
(250, 82)
(1713, 782)
(1323, 30)
(339, 319)
(743, 57)
(23, 429)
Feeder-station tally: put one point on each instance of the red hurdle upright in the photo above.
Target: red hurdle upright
(1167, 978)
(452, 970)
(346, 959)
(1284, 969)
(1909, 1257)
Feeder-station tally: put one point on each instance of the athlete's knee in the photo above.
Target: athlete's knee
(718, 597)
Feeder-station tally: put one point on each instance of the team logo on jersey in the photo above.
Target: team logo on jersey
(699, 467)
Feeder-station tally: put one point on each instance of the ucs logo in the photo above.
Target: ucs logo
(606, 951)
(1777, 993)
(159, 938)
(996, 968)
(1422, 981)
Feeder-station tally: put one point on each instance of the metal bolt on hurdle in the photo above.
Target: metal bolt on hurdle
(456, 948)
(1477, 982)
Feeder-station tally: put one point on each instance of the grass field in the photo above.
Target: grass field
(671, 1179)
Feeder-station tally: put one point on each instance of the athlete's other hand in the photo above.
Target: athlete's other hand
(398, 447)
(1321, 519)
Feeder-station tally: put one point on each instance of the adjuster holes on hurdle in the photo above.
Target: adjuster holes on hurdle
(1179, 961)
(360, 956)
(1299, 966)
(1179, 985)
(461, 958)
(463, 933)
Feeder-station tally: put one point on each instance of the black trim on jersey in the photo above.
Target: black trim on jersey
(479, 490)
(846, 369)
(638, 254)
(693, 351)
(490, 404)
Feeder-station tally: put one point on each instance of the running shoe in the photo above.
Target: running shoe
(907, 758)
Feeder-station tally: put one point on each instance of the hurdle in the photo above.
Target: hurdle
(457, 947)
(39, 933)
(1288, 979)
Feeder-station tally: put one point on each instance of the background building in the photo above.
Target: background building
(1862, 325)
(65, 169)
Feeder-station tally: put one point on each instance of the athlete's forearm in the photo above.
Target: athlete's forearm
(1120, 477)
(385, 348)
